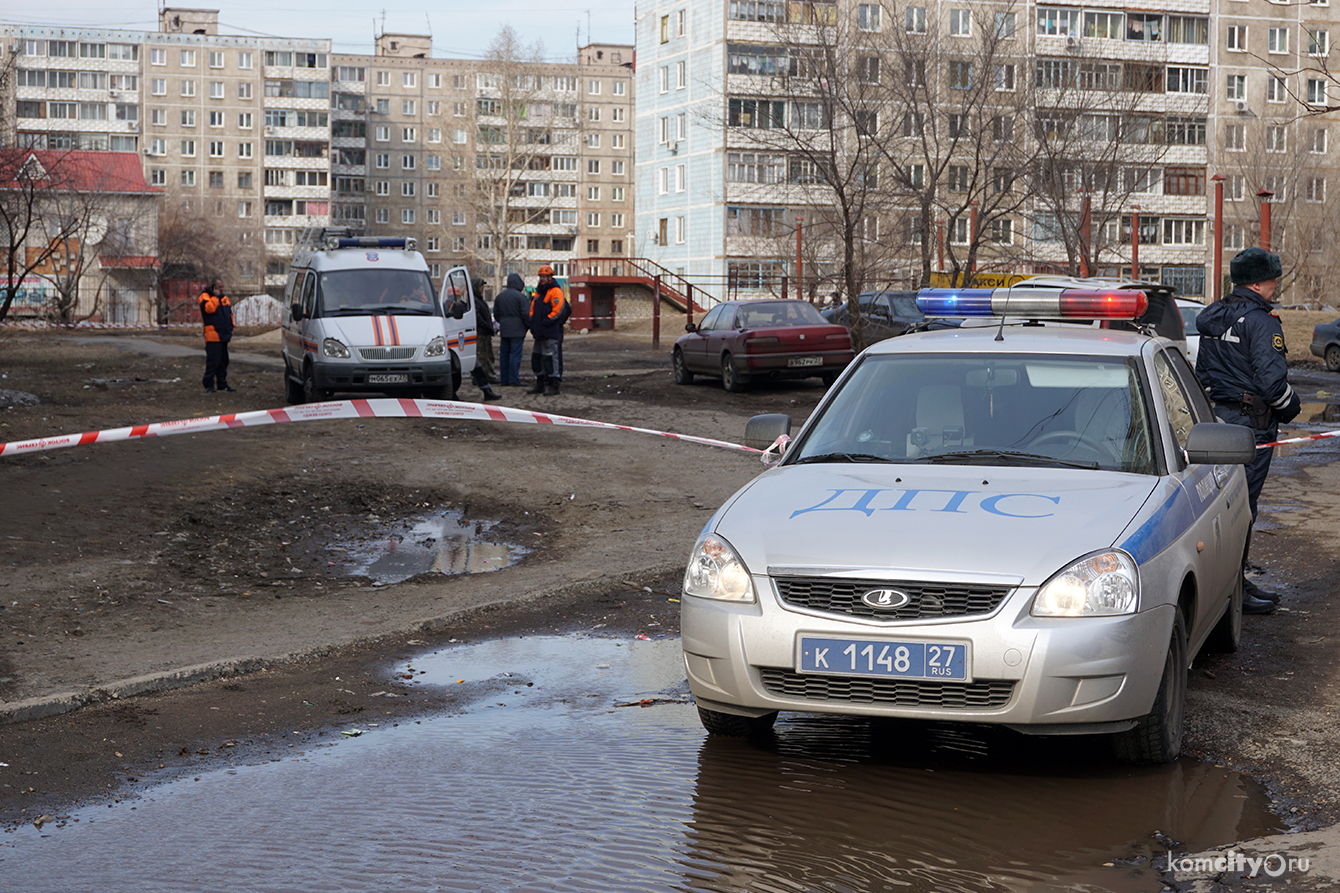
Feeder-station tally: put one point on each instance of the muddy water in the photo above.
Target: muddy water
(445, 543)
(557, 779)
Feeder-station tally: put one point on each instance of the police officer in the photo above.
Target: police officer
(1243, 365)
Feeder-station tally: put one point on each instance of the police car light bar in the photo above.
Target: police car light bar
(1045, 303)
(374, 242)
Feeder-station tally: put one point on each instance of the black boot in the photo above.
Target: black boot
(551, 389)
(490, 393)
(539, 385)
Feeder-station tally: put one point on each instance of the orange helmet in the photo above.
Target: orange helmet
(546, 270)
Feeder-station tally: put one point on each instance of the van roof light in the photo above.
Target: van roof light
(372, 242)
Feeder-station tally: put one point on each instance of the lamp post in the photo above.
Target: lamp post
(1265, 195)
(1218, 235)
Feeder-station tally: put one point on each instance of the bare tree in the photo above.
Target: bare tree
(194, 247)
(506, 187)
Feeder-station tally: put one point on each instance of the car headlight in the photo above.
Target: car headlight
(715, 571)
(436, 347)
(1099, 584)
(332, 348)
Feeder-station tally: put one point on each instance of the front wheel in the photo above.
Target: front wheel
(730, 725)
(1157, 737)
(310, 392)
(1333, 357)
(731, 379)
(683, 375)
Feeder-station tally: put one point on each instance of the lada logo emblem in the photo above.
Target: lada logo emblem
(885, 599)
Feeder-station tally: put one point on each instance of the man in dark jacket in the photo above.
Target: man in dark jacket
(548, 311)
(482, 374)
(1244, 366)
(216, 313)
(511, 309)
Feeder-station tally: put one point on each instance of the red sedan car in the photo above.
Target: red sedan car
(738, 341)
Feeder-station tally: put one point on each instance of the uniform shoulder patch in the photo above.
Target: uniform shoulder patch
(1278, 343)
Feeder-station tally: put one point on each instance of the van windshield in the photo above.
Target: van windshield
(357, 292)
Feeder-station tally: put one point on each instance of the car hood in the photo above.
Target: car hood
(384, 330)
(1007, 525)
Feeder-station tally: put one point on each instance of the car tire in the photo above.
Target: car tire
(1157, 736)
(730, 725)
(1333, 357)
(310, 392)
(1227, 633)
(731, 379)
(292, 387)
(683, 375)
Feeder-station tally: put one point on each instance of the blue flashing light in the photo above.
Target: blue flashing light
(371, 242)
(955, 301)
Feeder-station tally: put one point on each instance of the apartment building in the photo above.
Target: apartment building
(501, 165)
(782, 139)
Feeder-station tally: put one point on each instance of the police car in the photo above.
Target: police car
(1027, 525)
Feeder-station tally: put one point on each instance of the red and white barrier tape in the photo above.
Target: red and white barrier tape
(384, 408)
(1261, 446)
(136, 326)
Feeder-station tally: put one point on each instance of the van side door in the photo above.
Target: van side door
(458, 308)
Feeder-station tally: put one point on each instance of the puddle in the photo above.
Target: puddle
(444, 543)
(548, 782)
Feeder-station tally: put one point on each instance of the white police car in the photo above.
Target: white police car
(1033, 526)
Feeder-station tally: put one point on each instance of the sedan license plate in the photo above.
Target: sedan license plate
(805, 361)
(865, 657)
(388, 378)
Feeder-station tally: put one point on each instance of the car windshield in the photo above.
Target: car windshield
(1002, 409)
(356, 292)
(765, 314)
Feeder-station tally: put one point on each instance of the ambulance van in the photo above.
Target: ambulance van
(364, 316)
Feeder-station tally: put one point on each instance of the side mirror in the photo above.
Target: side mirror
(762, 430)
(295, 310)
(690, 328)
(1218, 443)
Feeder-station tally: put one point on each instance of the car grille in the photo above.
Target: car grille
(839, 596)
(386, 353)
(893, 692)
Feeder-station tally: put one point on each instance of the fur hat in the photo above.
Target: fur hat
(1252, 265)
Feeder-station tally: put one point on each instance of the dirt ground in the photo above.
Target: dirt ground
(133, 569)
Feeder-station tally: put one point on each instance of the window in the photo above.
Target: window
(1235, 86)
(762, 114)
(1189, 29)
(407, 215)
(1002, 128)
(157, 177)
(959, 178)
(409, 79)
(407, 188)
(1235, 187)
(216, 119)
(216, 150)
(407, 107)
(1275, 89)
(960, 75)
(1005, 25)
(244, 90)
(383, 79)
(244, 180)
(593, 219)
(1316, 91)
(216, 179)
(681, 80)
(407, 162)
(593, 166)
(1187, 80)
(408, 134)
(157, 57)
(1235, 137)
(915, 20)
(188, 178)
(593, 88)
(1002, 231)
(1315, 189)
(1318, 43)
(188, 58)
(188, 88)
(1185, 131)
(1104, 25)
(1177, 231)
(382, 187)
(1278, 186)
(157, 146)
(383, 160)
(1058, 22)
(1236, 38)
(244, 60)
(1277, 40)
(867, 17)
(1276, 138)
(1317, 141)
(616, 221)
(1144, 26)
(960, 23)
(188, 117)
(244, 150)
(1184, 181)
(1235, 236)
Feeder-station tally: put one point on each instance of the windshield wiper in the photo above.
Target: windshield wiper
(1008, 455)
(414, 311)
(843, 457)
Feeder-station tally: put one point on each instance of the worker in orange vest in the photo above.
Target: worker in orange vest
(216, 312)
